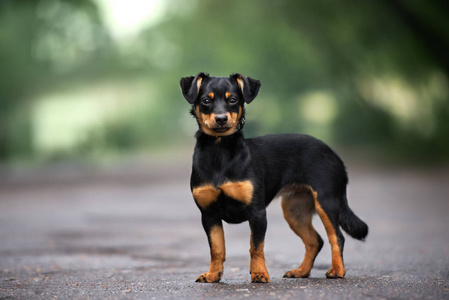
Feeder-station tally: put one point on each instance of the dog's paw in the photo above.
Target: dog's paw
(336, 273)
(209, 277)
(297, 273)
(260, 277)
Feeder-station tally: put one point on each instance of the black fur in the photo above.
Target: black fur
(275, 165)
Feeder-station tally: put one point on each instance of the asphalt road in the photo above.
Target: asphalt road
(134, 232)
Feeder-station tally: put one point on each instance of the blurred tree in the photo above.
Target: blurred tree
(381, 67)
(42, 43)
(385, 63)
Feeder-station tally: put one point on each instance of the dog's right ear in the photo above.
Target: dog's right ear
(191, 86)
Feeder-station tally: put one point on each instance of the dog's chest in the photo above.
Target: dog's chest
(221, 193)
(231, 200)
(207, 194)
(221, 181)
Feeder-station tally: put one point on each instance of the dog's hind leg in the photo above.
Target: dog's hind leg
(329, 214)
(298, 208)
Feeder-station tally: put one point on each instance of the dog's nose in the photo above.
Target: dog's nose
(221, 119)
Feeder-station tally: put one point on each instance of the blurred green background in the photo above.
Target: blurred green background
(89, 79)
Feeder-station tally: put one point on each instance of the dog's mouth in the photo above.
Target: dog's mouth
(221, 129)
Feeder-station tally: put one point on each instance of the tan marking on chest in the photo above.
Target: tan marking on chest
(240, 191)
(205, 195)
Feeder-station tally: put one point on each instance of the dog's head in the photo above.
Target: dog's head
(218, 102)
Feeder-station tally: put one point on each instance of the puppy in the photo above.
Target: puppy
(234, 179)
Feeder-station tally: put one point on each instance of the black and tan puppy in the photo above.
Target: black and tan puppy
(234, 179)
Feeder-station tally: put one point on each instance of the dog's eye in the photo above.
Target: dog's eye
(205, 101)
(232, 101)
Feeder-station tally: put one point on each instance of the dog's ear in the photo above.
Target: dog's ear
(190, 86)
(250, 87)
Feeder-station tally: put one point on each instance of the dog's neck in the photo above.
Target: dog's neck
(235, 137)
(216, 156)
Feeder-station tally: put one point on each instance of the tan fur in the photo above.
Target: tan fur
(241, 191)
(217, 254)
(205, 195)
(297, 206)
(257, 267)
(207, 122)
(240, 83)
(337, 269)
(198, 83)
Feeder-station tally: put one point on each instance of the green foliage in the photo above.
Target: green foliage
(383, 65)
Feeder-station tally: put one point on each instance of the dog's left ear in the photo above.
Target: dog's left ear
(190, 86)
(250, 87)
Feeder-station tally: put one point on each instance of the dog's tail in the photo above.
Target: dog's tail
(350, 223)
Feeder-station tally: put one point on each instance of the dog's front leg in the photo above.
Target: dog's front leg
(258, 270)
(215, 236)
